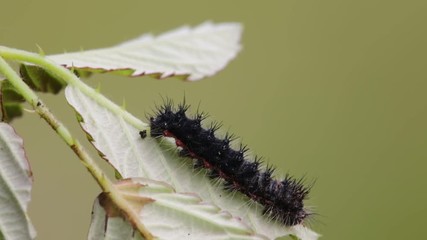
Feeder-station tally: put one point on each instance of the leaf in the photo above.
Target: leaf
(10, 102)
(37, 79)
(15, 187)
(165, 213)
(40, 80)
(118, 141)
(191, 53)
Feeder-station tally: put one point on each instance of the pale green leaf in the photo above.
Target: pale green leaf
(192, 53)
(166, 215)
(15, 187)
(120, 144)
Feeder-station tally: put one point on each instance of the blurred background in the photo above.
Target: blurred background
(331, 90)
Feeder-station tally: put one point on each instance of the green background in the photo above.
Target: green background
(331, 90)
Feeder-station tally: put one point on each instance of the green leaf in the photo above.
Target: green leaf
(191, 53)
(36, 78)
(165, 213)
(40, 80)
(10, 102)
(15, 187)
(118, 141)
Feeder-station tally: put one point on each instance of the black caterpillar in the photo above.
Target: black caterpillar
(282, 199)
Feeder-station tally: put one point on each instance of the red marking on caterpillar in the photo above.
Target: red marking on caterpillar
(282, 199)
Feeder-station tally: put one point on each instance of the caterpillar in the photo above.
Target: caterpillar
(283, 200)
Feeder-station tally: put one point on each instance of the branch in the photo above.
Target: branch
(106, 185)
(64, 74)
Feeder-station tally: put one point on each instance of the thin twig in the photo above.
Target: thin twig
(106, 185)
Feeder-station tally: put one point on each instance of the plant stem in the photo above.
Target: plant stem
(103, 181)
(64, 74)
